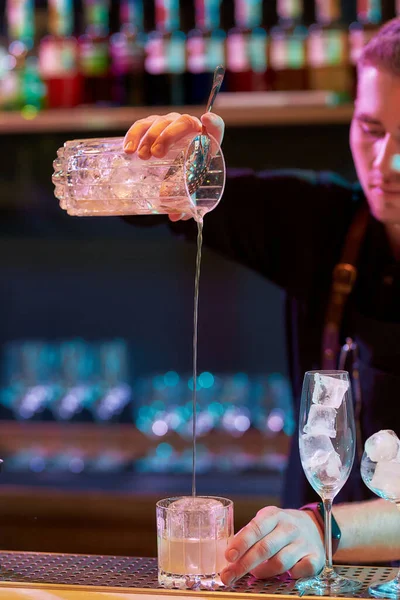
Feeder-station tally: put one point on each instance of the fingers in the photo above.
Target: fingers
(154, 135)
(136, 132)
(262, 540)
(263, 523)
(142, 135)
(308, 566)
(179, 217)
(179, 128)
(214, 126)
(285, 560)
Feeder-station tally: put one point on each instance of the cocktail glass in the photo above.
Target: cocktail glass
(193, 533)
(382, 476)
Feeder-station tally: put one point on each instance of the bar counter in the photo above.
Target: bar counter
(44, 576)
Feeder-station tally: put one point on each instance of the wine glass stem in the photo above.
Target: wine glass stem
(328, 569)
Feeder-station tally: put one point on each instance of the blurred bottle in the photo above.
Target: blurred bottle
(328, 11)
(127, 53)
(169, 21)
(59, 57)
(288, 47)
(157, 88)
(94, 56)
(369, 11)
(156, 78)
(239, 75)
(4, 64)
(20, 16)
(377, 11)
(205, 50)
(369, 14)
(22, 83)
(328, 52)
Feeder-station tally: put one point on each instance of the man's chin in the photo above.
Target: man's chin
(386, 211)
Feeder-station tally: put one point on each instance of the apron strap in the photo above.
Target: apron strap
(343, 279)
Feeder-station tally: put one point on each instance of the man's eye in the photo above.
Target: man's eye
(372, 132)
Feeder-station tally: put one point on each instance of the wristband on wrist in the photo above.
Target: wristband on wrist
(317, 508)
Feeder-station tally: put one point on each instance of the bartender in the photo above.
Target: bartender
(335, 249)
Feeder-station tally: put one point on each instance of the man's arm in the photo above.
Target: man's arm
(284, 225)
(370, 531)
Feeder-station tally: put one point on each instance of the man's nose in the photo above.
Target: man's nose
(387, 149)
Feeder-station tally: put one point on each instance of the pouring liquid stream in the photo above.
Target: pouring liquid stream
(195, 336)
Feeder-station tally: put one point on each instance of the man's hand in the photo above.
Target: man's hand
(154, 135)
(274, 542)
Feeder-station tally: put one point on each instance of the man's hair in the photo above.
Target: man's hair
(383, 50)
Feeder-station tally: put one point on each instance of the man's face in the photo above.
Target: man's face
(375, 142)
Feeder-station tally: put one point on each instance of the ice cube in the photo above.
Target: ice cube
(195, 504)
(386, 479)
(194, 517)
(321, 421)
(333, 466)
(382, 445)
(315, 449)
(329, 473)
(319, 458)
(329, 391)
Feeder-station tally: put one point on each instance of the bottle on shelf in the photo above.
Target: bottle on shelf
(94, 56)
(258, 54)
(205, 49)
(127, 53)
(21, 81)
(59, 57)
(239, 74)
(287, 48)
(156, 77)
(369, 11)
(369, 15)
(328, 11)
(327, 51)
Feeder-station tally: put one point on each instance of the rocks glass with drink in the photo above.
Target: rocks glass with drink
(327, 447)
(380, 471)
(193, 533)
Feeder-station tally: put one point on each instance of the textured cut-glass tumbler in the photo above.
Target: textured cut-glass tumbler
(95, 177)
(193, 533)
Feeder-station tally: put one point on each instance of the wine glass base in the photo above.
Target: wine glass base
(387, 589)
(322, 585)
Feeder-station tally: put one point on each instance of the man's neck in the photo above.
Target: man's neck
(393, 234)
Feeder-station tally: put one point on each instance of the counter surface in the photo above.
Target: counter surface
(75, 577)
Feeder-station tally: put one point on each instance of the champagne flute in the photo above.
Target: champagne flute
(327, 448)
(380, 471)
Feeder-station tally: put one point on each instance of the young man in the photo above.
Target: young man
(294, 233)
